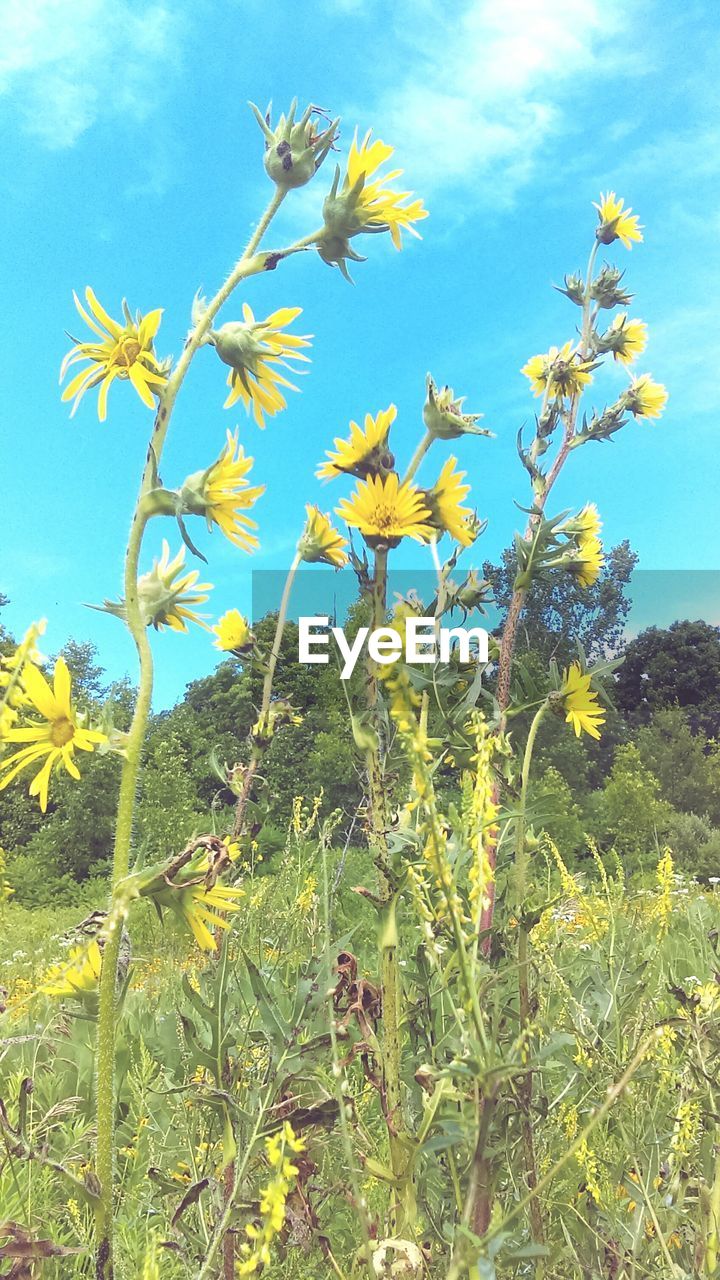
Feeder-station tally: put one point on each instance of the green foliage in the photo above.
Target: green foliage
(630, 811)
(559, 613)
(686, 764)
(695, 845)
(169, 810)
(679, 666)
(553, 810)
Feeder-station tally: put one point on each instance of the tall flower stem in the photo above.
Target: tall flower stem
(418, 456)
(256, 755)
(401, 1210)
(249, 264)
(517, 601)
(525, 1088)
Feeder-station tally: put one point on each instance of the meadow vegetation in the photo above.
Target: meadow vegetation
(410, 976)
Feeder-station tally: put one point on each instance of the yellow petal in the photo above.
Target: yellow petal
(62, 686)
(101, 314)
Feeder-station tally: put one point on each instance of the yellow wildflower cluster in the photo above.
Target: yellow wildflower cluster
(307, 896)
(404, 701)
(590, 1166)
(273, 1197)
(666, 1052)
(304, 817)
(577, 913)
(662, 906)
(686, 1130)
(386, 509)
(480, 810)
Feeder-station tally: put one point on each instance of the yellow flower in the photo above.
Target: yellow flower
(12, 666)
(232, 631)
(378, 206)
(581, 702)
(55, 740)
(385, 511)
(588, 559)
(587, 553)
(365, 452)
(627, 339)
(255, 1252)
(645, 398)
(168, 600)
(221, 494)
(256, 350)
(616, 223)
(200, 908)
(588, 521)
(373, 205)
(320, 543)
(124, 351)
(561, 371)
(80, 973)
(444, 502)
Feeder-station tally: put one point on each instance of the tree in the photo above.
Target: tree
(558, 612)
(631, 813)
(686, 765)
(680, 667)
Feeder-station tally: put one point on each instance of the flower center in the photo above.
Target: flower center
(384, 518)
(126, 353)
(62, 732)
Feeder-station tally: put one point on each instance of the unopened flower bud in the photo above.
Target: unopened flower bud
(294, 150)
(473, 591)
(605, 289)
(574, 289)
(334, 249)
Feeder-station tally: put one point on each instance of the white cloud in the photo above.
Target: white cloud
(480, 93)
(68, 66)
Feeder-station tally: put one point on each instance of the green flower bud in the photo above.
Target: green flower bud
(605, 289)
(473, 592)
(335, 249)
(574, 289)
(237, 346)
(443, 415)
(294, 150)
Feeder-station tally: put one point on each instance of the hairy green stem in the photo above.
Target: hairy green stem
(246, 266)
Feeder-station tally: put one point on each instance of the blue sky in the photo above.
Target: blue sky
(131, 162)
